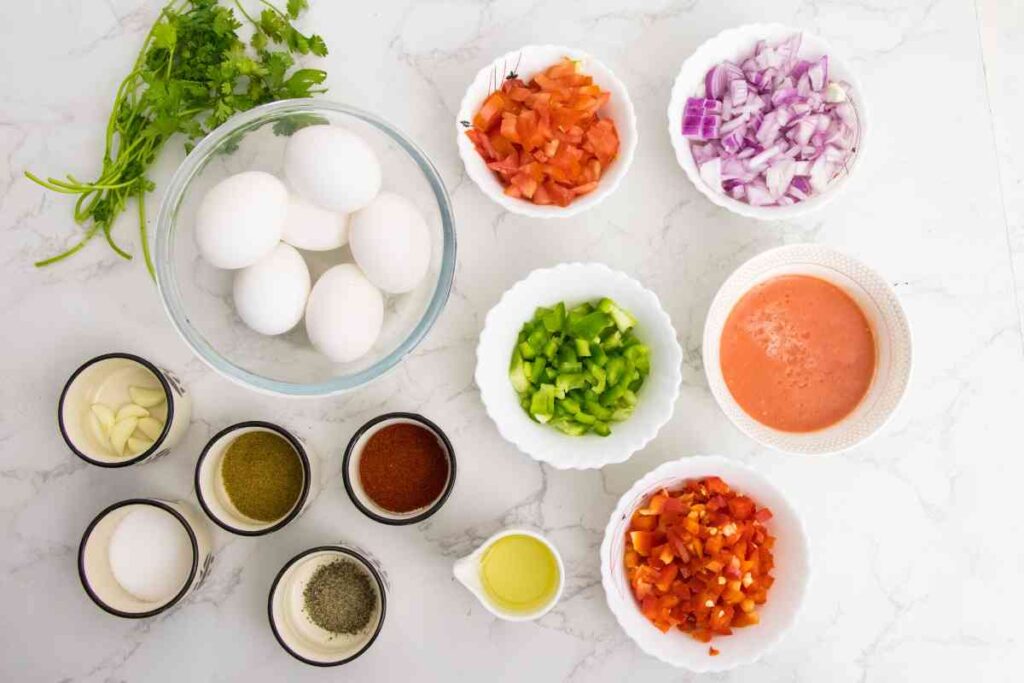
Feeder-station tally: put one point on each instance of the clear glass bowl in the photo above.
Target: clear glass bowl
(197, 296)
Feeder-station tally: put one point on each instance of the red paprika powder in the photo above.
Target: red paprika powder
(403, 467)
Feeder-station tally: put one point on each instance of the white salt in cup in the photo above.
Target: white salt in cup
(297, 633)
(106, 379)
(94, 564)
(213, 497)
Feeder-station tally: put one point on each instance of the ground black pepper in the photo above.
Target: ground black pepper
(339, 597)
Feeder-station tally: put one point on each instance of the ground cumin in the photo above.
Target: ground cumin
(403, 467)
(262, 475)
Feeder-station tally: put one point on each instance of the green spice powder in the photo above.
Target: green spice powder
(262, 475)
(339, 597)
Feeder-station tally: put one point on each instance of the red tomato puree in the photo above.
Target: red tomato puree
(797, 353)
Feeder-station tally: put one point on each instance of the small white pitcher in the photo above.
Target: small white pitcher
(467, 571)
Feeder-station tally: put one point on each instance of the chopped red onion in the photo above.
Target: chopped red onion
(774, 129)
(702, 118)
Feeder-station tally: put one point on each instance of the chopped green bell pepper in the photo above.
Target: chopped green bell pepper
(579, 369)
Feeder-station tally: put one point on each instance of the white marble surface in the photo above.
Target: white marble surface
(916, 535)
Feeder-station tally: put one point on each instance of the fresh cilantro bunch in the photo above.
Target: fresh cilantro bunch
(192, 74)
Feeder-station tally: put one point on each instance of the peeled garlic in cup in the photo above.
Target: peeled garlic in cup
(146, 397)
(119, 409)
(132, 429)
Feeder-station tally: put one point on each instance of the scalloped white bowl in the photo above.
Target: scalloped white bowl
(575, 283)
(734, 44)
(792, 569)
(527, 61)
(888, 323)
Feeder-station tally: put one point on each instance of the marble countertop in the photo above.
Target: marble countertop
(915, 539)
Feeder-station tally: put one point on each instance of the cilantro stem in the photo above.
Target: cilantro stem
(141, 202)
(245, 14)
(63, 255)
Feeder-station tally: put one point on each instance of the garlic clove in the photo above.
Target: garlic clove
(151, 427)
(131, 410)
(136, 446)
(120, 432)
(146, 397)
(104, 414)
(98, 431)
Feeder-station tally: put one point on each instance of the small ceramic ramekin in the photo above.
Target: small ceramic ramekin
(526, 62)
(296, 632)
(735, 44)
(575, 283)
(94, 564)
(353, 483)
(785, 599)
(105, 379)
(467, 570)
(209, 480)
(888, 322)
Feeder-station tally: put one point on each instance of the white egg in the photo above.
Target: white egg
(307, 226)
(332, 167)
(391, 243)
(270, 295)
(240, 219)
(344, 314)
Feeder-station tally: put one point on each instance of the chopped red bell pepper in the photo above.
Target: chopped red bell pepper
(700, 558)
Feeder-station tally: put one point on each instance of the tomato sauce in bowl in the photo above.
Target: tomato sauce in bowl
(797, 353)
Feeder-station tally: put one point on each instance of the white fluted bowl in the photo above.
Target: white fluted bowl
(878, 301)
(792, 569)
(576, 283)
(735, 44)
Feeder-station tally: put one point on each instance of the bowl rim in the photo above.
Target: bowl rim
(713, 463)
(629, 448)
(469, 104)
(430, 510)
(167, 282)
(716, 382)
(353, 554)
(681, 90)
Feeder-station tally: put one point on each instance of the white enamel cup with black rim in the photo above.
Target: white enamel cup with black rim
(213, 497)
(106, 379)
(353, 482)
(94, 565)
(293, 628)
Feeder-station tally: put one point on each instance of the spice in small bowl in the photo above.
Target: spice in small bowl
(119, 409)
(399, 468)
(254, 477)
(327, 605)
(140, 557)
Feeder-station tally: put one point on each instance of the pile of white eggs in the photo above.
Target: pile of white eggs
(251, 223)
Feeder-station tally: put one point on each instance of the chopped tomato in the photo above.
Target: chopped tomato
(550, 124)
(698, 559)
